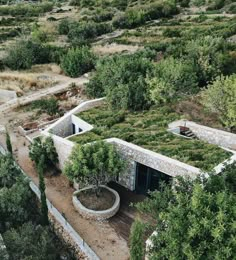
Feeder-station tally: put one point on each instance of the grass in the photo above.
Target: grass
(148, 129)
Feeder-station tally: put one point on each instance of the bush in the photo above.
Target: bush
(46, 149)
(220, 98)
(78, 61)
(85, 31)
(122, 80)
(50, 106)
(172, 78)
(26, 53)
(137, 245)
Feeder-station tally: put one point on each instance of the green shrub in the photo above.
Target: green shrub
(26, 53)
(50, 106)
(78, 61)
(122, 80)
(137, 243)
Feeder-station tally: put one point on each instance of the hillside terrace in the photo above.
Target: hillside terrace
(148, 129)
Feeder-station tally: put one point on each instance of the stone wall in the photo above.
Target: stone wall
(96, 214)
(208, 134)
(154, 160)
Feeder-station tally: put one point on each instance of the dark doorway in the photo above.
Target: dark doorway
(73, 129)
(148, 179)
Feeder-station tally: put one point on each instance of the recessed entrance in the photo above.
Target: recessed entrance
(148, 179)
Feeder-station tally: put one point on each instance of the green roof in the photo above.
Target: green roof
(148, 129)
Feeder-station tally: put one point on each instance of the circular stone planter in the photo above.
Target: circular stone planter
(96, 214)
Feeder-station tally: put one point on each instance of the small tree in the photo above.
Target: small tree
(44, 208)
(46, 148)
(8, 143)
(220, 98)
(94, 164)
(137, 240)
(78, 61)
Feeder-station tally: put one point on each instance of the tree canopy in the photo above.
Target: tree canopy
(46, 148)
(94, 164)
(195, 219)
(219, 97)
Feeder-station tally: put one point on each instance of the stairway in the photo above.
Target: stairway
(185, 131)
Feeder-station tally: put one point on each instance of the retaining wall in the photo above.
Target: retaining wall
(208, 134)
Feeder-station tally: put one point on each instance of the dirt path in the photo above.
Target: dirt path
(101, 237)
(45, 92)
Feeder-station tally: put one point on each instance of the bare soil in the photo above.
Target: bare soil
(105, 200)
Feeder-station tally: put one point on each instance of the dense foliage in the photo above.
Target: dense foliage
(172, 78)
(26, 9)
(78, 61)
(219, 97)
(196, 219)
(44, 147)
(20, 227)
(122, 80)
(49, 106)
(94, 164)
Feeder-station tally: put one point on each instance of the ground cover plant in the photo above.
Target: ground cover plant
(149, 130)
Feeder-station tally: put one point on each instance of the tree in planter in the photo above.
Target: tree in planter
(94, 164)
(43, 147)
(195, 220)
(8, 143)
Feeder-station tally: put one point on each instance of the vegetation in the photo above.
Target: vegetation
(195, 219)
(94, 164)
(26, 9)
(78, 61)
(50, 106)
(149, 130)
(8, 143)
(20, 226)
(219, 97)
(43, 149)
(137, 249)
(122, 80)
(41, 167)
(172, 77)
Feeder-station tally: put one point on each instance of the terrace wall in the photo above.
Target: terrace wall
(208, 134)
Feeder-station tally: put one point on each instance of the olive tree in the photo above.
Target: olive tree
(94, 164)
